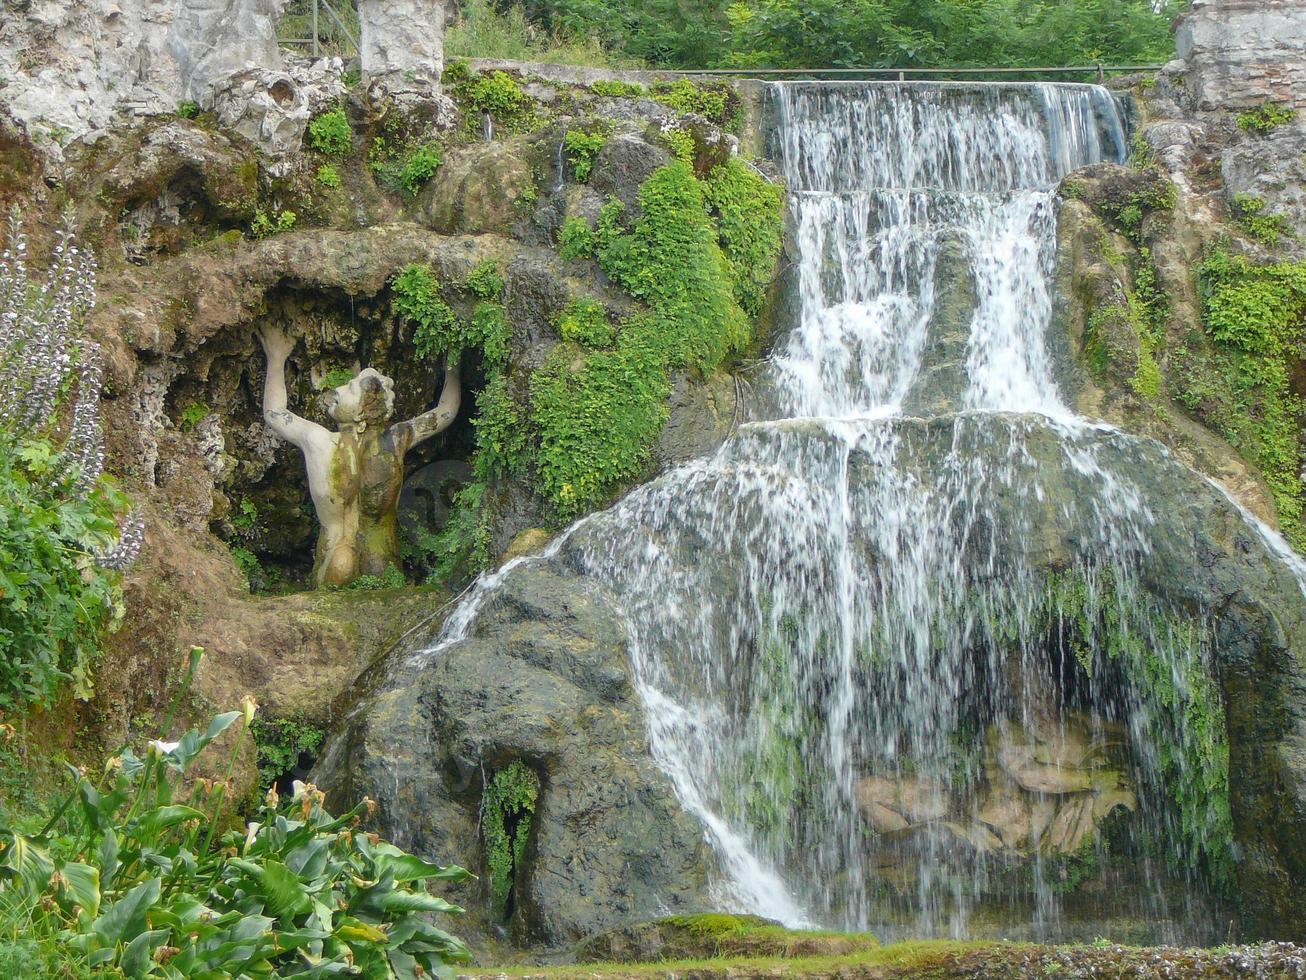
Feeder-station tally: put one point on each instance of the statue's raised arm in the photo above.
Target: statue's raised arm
(276, 412)
(418, 429)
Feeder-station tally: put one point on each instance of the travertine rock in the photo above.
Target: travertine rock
(74, 68)
(402, 43)
(1242, 53)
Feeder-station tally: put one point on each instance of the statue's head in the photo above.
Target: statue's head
(368, 400)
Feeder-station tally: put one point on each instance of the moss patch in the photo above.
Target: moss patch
(505, 826)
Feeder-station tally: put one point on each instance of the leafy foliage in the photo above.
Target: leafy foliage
(269, 223)
(327, 175)
(329, 133)
(499, 94)
(485, 281)
(1261, 224)
(617, 89)
(1242, 385)
(60, 545)
(280, 743)
(192, 415)
(391, 578)
(582, 148)
(750, 225)
(133, 877)
(335, 377)
(438, 331)
(505, 824)
(576, 239)
(710, 100)
(503, 444)
(484, 29)
(869, 33)
(404, 165)
(1268, 117)
(585, 322)
(188, 109)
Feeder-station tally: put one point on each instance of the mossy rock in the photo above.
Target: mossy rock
(715, 935)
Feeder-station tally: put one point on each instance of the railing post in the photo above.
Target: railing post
(316, 52)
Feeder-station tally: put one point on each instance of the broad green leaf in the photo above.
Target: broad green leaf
(81, 886)
(354, 931)
(108, 858)
(161, 818)
(285, 893)
(416, 902)
(409, 867)
(25, 862)
(125, 919)
(138, 958)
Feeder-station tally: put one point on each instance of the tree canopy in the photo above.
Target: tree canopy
(869, 33)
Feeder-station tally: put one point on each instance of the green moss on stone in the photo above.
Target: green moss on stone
(508, 807)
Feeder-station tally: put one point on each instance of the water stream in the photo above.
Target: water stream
(891, 638)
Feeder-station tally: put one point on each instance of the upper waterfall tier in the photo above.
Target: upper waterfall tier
(841, 137)
(926, 236)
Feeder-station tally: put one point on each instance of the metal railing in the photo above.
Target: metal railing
(316, 9)
(907, 74)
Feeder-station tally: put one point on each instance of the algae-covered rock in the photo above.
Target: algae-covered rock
(713, 936)
(542, 679)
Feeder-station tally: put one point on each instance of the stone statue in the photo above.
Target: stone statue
(355, 475)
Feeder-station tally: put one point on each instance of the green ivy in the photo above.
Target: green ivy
(329, 133)
(617, 89)
(499, 94)
(1241, 383)
(597, 420)
(327, 175)
(585, 321)
(712, 100)
(279, 743)
(1265, 227)
(503, 435)
(582, 147)
(485, 281)
(437, 329)
(749, 215)
(509, 804)
(391, 578)
(1265, 118)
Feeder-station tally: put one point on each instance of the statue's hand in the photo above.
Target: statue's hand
(276, 345)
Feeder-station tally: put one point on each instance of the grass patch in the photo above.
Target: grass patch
(483, 30)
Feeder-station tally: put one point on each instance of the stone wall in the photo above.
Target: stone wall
(1242, 53)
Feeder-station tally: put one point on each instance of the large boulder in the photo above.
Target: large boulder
(541, 678)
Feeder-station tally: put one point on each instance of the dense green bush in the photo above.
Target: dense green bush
(582, 147)
(870, 33)
(134, 876)
(585, 321)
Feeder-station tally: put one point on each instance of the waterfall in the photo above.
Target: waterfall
(894, 639)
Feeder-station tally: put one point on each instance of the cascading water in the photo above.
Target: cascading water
(893, 640)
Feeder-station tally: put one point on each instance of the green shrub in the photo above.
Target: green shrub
(499, 94)
(585, 322)
(188, 109)
(503, 435)
(672, 261)
(1265, 118)
(680, 142)
(597, 422)
(617, 89)
(419, 166)
(135, 877)
(483, 29)
(327, 175)
(280, 742)
(391, 578)
(485, 281)
(582, 148)
(1243, 387)
(329, 133)
(489, 331)
(462, 547)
